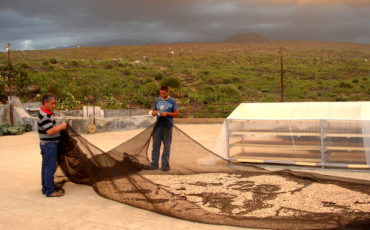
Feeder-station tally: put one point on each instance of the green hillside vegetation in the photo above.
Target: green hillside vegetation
(203, 77)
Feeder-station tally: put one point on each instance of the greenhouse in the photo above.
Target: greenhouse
(326, 134)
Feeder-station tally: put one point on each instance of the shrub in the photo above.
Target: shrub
(345, 85)
(127, 72)
(53, 61)
(151, 88)
(185, 71)
(172, 82)
(74, 63)
(66, 101)
(147, 80)
(226, 80)
(341, 98)
(230, 91)
(235, 79)
(211, 81)
(207, 88)
(3, 94)
(158, 76)
(109, 66)
(355, 81)
(24, 65)
(205, 72)
(113, 103)
(45, 63)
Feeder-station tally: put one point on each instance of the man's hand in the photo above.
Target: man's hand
(63, 126)
(154, 112)
(57, 129)
(164, 114)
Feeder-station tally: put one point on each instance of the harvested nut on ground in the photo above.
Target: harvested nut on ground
(262, 195)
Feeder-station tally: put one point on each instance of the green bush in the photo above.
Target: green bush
(235, 79)
(226, 80)
(45, 63)
(24, 65)
(345, 85)
(147, 80)
(151, 88)
(66, 101)
(74, 63)
(355, 81)
(53, 61)
(341, 98)
(109, 66)
(207, 88)
(113, 103)
(158, 76)
(230, 91)
(127, 72)
(3, 94)
(172, 82)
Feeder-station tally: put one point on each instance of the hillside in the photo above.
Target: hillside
(248, 37)
(208, 79)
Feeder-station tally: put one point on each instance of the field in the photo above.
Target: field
(207, 79)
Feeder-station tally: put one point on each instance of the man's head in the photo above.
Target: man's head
(48, 101)
(163, 91)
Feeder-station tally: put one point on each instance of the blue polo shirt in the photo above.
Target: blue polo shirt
(166, 105)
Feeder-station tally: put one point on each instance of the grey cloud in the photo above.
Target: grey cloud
(46, 24)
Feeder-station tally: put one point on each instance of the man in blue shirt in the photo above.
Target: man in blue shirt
(165, 108)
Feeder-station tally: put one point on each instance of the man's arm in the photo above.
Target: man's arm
(56, 129)
(175, 113)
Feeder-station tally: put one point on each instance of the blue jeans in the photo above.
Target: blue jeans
(49, 152)
(162, 133)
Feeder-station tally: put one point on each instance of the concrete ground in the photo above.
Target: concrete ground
(22, 206)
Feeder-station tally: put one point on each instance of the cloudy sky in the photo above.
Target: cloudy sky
(45, 24)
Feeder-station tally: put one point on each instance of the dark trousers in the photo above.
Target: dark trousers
(162, 133)
(49, 152)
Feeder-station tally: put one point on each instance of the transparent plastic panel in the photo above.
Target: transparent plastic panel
(280, 140)
(344, 142)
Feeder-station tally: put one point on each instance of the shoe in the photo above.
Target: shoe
(56, 194)
(165, 169)
(151, 167)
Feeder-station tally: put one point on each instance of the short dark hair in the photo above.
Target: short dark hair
(164, 87)
(48, 97)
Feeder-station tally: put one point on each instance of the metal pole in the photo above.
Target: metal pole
(322, 141)
(281, 75)
(227, 140)
(130, 104)
(94, 113)
(10, 88)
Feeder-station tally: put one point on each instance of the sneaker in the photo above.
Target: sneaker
(151, 167)
(166, 168)
(56, 194)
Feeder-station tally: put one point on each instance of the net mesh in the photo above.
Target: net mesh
(220, 193)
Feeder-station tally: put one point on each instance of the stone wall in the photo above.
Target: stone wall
(80, 123)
